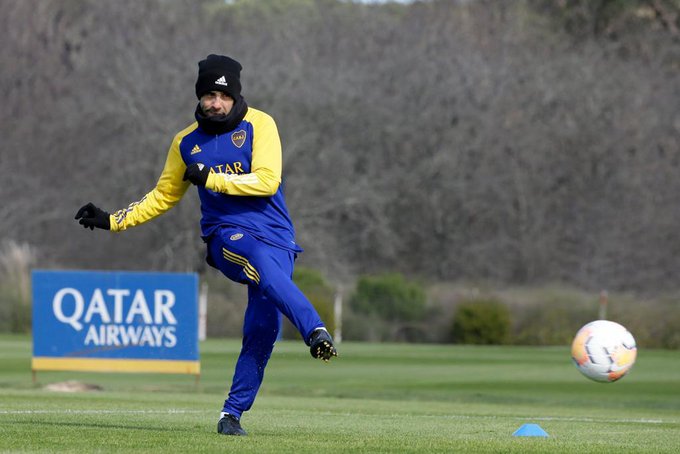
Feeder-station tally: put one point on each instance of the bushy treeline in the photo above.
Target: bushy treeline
(494, 315)
(16, 262)
(392, 308)
(521, 142)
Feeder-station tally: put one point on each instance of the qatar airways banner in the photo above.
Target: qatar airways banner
(115, 321)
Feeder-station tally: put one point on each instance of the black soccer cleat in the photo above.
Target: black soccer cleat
(230, 425)
(321, 345)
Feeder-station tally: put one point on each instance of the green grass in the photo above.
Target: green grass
(374, 398)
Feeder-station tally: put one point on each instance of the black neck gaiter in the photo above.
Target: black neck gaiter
(219, 124)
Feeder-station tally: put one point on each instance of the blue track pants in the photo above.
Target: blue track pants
(268, 272)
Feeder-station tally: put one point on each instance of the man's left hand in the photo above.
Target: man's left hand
(197, 174)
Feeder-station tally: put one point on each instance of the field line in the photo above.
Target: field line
(615, 420)
(556, 418)
(518, 418)
(175, 411)
(98, 412)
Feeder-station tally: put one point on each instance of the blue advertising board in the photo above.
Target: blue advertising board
(115, 321)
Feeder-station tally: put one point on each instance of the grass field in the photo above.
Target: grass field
(374, 398)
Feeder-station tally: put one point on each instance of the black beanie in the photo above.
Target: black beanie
(218, 73)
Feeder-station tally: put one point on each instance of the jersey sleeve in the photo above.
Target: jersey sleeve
(265, 168)
(168, 191)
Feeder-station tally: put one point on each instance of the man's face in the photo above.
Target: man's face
(216, 103)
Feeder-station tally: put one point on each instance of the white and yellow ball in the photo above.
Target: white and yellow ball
(603, 351)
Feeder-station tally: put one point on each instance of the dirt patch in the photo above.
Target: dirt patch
(72, 386)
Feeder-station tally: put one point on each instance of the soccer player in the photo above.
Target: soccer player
(232, 154)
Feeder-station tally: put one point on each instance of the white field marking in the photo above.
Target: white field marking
(616, 420)
(98, 412)
(178, 411)
(519, 418)
(555, 418)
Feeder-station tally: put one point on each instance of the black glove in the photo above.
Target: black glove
(91, 216)
(197, 173)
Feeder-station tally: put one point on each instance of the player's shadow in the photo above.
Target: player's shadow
(100, 426)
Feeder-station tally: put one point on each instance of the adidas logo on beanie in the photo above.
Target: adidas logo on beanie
(219, 73)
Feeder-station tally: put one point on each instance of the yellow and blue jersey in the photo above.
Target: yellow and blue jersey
(243, 188)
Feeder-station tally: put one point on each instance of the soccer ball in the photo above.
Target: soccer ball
(603, 351)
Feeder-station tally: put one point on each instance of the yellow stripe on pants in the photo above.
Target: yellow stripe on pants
(250, 271)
